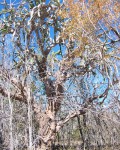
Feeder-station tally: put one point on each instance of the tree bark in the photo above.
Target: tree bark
(43, 147)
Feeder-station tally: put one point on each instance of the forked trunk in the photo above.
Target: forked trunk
(47, 129)
(47, 118)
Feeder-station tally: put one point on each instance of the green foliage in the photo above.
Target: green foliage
(5, 11)
(75, 135)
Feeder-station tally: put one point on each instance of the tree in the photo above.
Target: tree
(62, 59)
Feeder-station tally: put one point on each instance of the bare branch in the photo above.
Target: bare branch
(15, 96)
(73, 114)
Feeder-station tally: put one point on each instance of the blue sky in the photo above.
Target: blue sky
(16, 2)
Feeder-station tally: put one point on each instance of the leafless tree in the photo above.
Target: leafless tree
(49, 74)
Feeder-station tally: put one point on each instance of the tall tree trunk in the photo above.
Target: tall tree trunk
(29, 117)
(80, 130)
(11, 119)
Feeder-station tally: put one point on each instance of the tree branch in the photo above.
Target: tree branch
(19, 89)
(15, 96)
(81, 111)
(73, 114)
